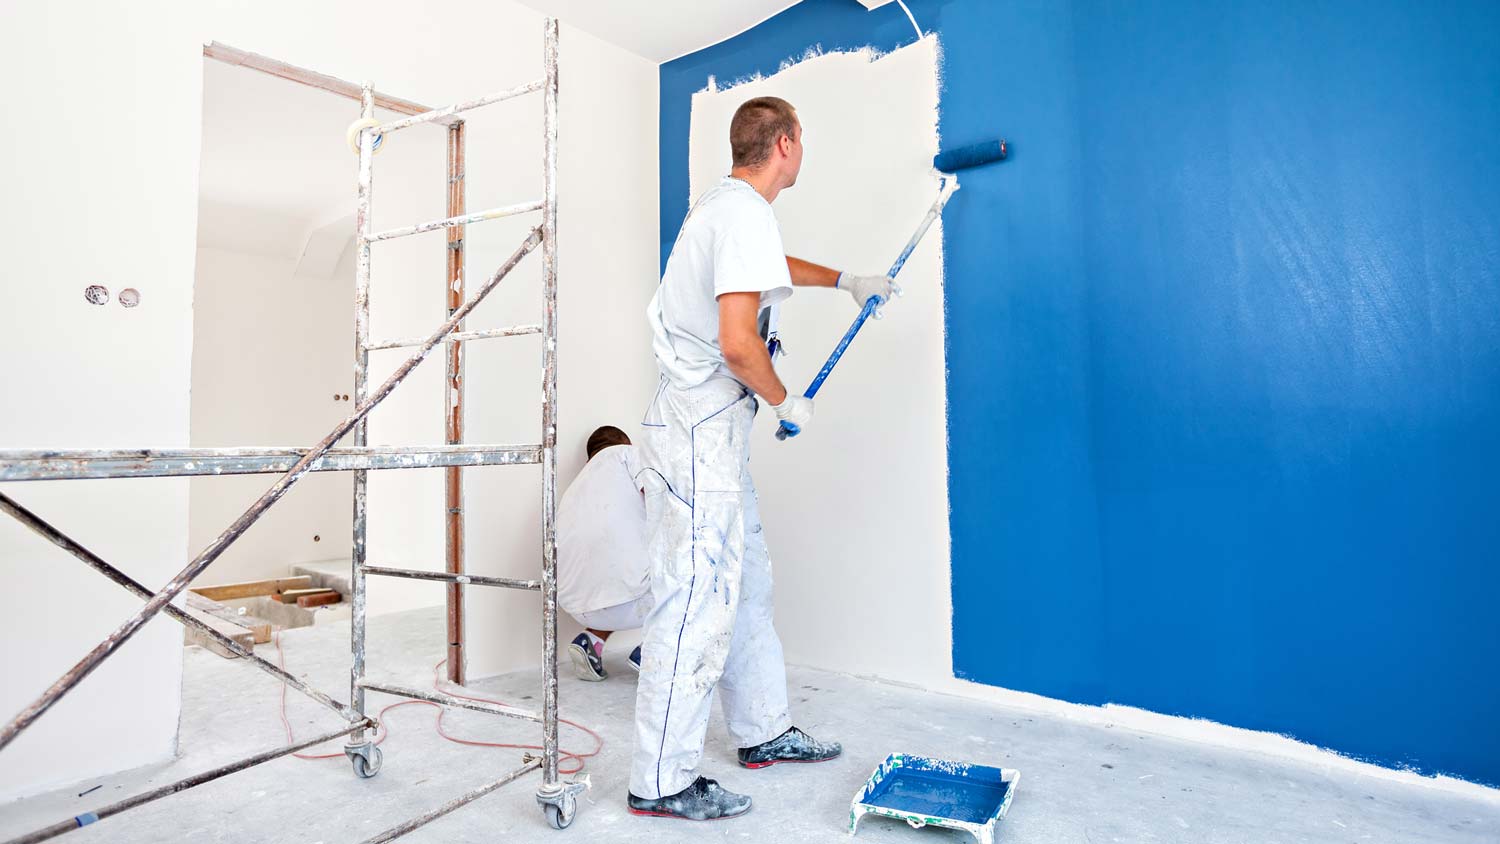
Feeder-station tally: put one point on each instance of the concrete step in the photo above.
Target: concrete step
(326, 574)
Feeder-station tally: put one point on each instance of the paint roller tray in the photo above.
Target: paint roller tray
(924, 791)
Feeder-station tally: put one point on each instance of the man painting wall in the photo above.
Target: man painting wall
(710, 629)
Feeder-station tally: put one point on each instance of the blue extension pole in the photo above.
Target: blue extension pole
(950, 184)
(948, 161)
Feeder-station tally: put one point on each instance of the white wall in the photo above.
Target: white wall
(855, 508)
(106, 115)
(270, 351)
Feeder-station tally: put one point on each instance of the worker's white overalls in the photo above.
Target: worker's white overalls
(711, 580)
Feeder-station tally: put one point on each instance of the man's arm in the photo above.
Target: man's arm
(744, 350)
(745, 354)
(808, 274)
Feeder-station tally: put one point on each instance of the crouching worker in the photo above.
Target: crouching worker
(603, 575)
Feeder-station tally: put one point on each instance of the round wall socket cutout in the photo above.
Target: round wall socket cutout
(130, 297)
(96, 294)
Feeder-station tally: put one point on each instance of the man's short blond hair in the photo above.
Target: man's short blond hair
(757, 126)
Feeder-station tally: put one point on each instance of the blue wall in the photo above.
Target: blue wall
(1224, 351)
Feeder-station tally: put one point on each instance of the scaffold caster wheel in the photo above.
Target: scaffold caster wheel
(560, 802)
(559, 817)
(365, 758)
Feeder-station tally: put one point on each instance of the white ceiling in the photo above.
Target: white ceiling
(661, 30)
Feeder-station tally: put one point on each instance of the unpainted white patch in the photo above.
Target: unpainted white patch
(869, 133)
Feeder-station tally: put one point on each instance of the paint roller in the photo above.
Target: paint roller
(946, 162)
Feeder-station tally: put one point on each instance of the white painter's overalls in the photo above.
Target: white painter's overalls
(711, 580)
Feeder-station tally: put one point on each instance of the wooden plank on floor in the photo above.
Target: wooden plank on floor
(233, 631)
(259, 628)
(290, 596)
(251, 588)
(319, 599)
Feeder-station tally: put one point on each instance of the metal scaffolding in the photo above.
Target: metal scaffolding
(558, 799)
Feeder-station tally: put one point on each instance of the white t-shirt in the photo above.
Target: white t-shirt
(601, 535)
(729, 243)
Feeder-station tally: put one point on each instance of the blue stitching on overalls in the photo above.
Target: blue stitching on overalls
(666, 483)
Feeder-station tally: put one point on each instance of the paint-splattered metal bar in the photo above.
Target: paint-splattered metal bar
(463, 220)
(549, 791)
(450, 700)
(451, 577)
(443, 115)
(456, 803)
(93, 561)
(181, 785)
(459, 337)
(359, 521)
(47, 465)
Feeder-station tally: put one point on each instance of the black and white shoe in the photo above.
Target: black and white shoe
(588, 663)
(791, 746)
(704, 800)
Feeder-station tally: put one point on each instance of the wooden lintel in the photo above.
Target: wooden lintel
(322, 81)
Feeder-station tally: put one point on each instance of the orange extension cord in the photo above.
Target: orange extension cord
(382, 732)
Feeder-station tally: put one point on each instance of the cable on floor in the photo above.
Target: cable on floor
(382, 732)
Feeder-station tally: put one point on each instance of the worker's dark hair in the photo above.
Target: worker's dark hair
(604, 437)
(757, 126)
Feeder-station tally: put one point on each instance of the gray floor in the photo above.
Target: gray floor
(1080, 783)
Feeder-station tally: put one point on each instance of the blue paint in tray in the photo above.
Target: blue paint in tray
(941, 795)
(924, 791)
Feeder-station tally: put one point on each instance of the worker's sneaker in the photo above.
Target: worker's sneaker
(635, 659)
(704, 800)
(791, 746)
(587, 655)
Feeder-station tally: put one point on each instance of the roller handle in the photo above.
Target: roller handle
(949, 185)
(788, 429)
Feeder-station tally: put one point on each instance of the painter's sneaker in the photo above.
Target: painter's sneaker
(635, 659)
(704, 800)
(586, 662)
(791, 746)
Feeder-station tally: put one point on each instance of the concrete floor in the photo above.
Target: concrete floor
(1080, 782)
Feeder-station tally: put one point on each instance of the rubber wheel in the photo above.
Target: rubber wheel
(363, 768)
(556, 817)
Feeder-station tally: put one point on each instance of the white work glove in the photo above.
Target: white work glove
(862, 287)
(795, 411)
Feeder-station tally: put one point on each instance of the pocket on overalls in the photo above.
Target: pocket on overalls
(669, 529)
(720, 450)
